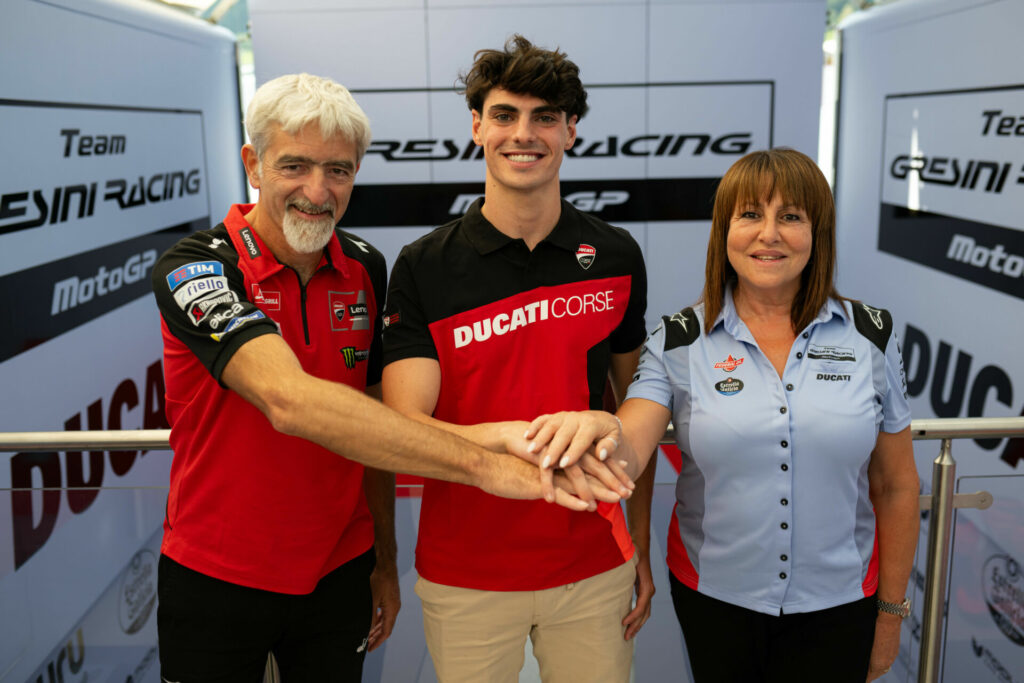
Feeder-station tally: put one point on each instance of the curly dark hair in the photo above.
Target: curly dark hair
(523, 68)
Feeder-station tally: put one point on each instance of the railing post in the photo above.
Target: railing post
(940, 527)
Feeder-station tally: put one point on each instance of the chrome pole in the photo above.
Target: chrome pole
(940, 527)
(155, 439)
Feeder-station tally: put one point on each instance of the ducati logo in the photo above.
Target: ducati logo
(586, 254)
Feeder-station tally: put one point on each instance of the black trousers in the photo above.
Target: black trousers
(212, 630)
(731, 644)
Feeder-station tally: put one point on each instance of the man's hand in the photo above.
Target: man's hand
(886, 645)
(644, 588)
(387, 600)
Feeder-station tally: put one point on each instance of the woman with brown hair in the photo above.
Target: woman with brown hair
(795, 524)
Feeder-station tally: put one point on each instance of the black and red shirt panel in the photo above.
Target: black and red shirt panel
(517, 333)
(248, 504)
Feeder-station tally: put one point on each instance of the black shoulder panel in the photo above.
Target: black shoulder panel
(681, 329)
(873, 323)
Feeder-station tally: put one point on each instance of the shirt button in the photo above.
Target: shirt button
(783, 557)
(799, 354)
(805, 335)
(782, 575)
(784, 525)
(785, 467)
(784, 501)
(782, 410)
(784, 444)
(789, 387)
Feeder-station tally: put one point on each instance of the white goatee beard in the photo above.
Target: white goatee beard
(308, 236)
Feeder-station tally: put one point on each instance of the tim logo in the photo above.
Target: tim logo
(193, 270)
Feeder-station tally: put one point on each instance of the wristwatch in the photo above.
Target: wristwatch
(900, 609)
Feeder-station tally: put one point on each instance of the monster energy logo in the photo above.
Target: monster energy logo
(353, 356)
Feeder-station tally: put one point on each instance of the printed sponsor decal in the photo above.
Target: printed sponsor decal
(991, 662)
(250, 242)
(348, 310)
(56, 297)
(680, 320)
(875, 315)
(1002, 584)
(586, 254)
(266, 298)
(199, 308)
(216, 242)
(217, 319)
(137, 594)
(74, 291)
(953, 184)
(825, 377)
(392, 319)
(352, 355)
(189, 271)
(199, 288)
(130, 168)
(836, 353)
(236, 323)
(729, 386)
(630, 168)
(584, 304)
(729, 364)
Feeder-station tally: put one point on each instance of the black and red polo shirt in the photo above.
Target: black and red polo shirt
(517, 333)
(248, 504)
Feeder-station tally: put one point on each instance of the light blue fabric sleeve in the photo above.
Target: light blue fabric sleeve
(651, 380)
(896, 409)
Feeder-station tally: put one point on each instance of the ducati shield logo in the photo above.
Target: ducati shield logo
(586, 254)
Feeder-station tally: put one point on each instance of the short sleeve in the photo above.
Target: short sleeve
(895, 409)
(376, 268)
(651, 380)
(631, 331)
(203, 302)
(406, 331)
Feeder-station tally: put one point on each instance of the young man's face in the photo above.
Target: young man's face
(524, 139)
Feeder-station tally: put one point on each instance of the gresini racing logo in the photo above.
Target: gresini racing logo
(615, 145)
(534, 312)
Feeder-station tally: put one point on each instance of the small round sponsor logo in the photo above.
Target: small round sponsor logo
(729, 386)
(137, 596)
(1002, 584)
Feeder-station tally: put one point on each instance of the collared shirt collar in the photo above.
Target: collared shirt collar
(736, 328)
(266, 264)
(486, 238)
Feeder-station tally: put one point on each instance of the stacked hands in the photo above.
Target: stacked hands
(582, 456)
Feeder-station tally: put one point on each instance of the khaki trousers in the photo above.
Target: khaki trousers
(478, 636)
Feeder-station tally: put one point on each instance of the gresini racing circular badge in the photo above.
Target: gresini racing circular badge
(138, 592)
(729, 386)
(586, 254)
(1003, 587)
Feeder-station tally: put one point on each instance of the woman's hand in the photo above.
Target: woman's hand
(575, 440)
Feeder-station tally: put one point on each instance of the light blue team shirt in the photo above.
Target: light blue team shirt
(772, 509)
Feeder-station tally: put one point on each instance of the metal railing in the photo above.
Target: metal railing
(941, 502)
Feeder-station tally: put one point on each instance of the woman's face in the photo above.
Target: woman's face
(768, 245)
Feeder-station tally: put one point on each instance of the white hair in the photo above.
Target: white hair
(296, 100)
